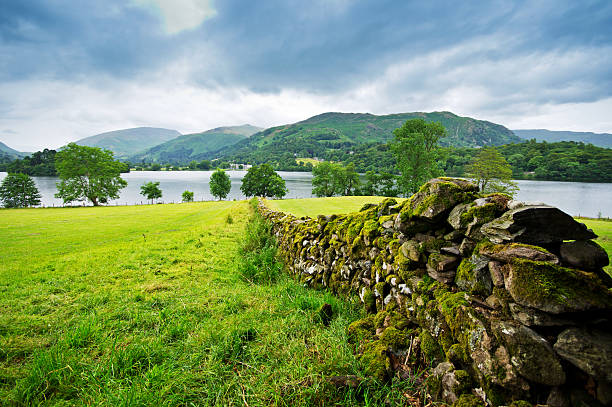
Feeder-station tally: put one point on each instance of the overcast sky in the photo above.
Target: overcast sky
(71, 69)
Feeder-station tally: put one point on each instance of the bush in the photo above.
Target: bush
(258, 250)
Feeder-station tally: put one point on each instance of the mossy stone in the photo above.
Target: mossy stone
(395, 339)
(469, 400)
(375, 360)
(430, 347)
(362, 329)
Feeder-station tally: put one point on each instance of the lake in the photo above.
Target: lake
(575, 198)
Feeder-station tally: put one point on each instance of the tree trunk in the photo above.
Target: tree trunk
(94, 200)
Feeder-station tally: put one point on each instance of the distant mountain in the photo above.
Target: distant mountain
(597, 139)
(321, 135)
(7, 151)
(125, 143)
(188, 147)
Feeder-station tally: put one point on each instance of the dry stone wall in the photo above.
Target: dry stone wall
(496, 299)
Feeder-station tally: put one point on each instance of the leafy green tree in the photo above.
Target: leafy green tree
(204, 165)
(491, 172)
(151, 190)
(156, 167)
(220, 184)
(346, 180)
(88, 173)
(322, 180)
(187, 196)
(415, 145)
(382, 184)
(263, 181)
(18, 191)
(193, 165)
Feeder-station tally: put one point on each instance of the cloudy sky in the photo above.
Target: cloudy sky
(70, 69)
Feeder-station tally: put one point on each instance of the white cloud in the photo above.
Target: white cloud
(180, 15)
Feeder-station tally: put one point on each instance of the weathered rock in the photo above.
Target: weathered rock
(584, 254)
(467, 246)
(437, 198)
(558, 398)
(533, 317)
(555, 289)
(538, 225)
(411, 250)
(589, 350)
(473, 276)
(505, 253)
(531, 355)
(442, 267)
(497, 273)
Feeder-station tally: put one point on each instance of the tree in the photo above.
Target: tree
(18, 191)
(88, 173)
(187, 196)
(263, 181)
(382, 184)
(491, 172)
(322, 180)
(151, 190)
(220, 184)
(346, 179)
(204, 165)
(416, 149)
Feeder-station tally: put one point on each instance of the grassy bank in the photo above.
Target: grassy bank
(145, 305)
(603, 229)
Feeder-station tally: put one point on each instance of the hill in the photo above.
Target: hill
(329, 134)
(597, 139)
(127, 142)
(195, 146)
(7, 151)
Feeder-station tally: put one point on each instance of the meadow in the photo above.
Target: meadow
(147, 305)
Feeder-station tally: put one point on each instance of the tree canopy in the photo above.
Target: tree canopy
(220, 184)
(334, 179)
(88, 174)
(415, 145)
(19, 191)
(151, 190)
(187, 196)
(491, 172)
(262, 180)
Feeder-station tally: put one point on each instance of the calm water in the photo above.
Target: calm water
(575, 198)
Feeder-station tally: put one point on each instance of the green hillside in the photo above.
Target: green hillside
(195, 146)
(7, 152)
(597, 139)
(324, 135)
(127, 142)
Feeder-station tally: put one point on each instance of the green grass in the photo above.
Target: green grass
(147, 305)
(323, 206)
(603, 229)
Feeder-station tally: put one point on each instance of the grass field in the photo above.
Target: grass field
(603, 229)
(323, 206)
(145, 305)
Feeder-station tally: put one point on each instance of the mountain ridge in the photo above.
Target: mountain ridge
(125, 142)
(597, 139)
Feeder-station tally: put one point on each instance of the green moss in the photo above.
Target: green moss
(561, 287)
(375, 361)
(379, 319)
(469, 400)
(399, 320)
(395, 339)
(456, 355)
(362, 329)
(448, 302)
(433, 245)
(370, 229)
(482, 214)
(521, 403)
(353, 230)
(464, 385)
(431, 349)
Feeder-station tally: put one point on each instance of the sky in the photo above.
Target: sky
(72, 69)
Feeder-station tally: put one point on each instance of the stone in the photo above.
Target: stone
(454, 250)
(604, 393)
(584, 254)
(537, 225)
(442, 267)
(532, 317)
(350, 381)
(437, 198)
(508, 252)
(473, 276)
(558, 398)
(555, 289)
(588, 350)
(496, 269)
(530, 353)
(410, 250)
(467, 247)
